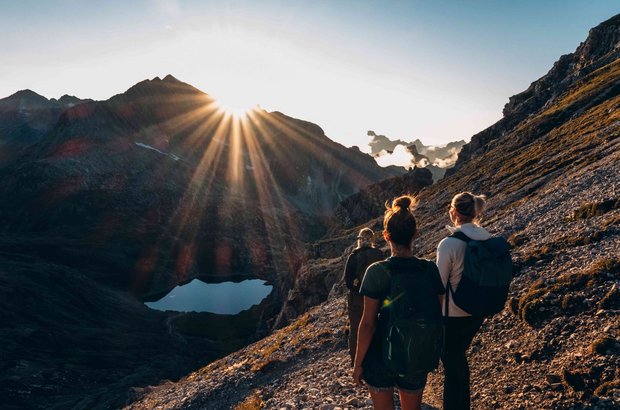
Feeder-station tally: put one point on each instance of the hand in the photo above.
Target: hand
(357, 375)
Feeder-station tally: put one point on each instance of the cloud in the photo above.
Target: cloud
(399, 156)
(408, 154)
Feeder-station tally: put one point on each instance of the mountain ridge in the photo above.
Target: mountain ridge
(599, 49)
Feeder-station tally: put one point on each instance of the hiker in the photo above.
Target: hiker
(384, 301)
(363, 256)
(461, 327)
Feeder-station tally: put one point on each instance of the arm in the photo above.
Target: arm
(364, 335)
(444, 264)
(349, 272)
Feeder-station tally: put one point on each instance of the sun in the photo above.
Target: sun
(235, 104)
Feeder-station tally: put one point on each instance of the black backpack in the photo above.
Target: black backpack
(413, 333)
(487, 273)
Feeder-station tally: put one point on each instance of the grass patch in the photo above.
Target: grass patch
(608, 389)
(288, 336)
(613, 221)
(556, 296)
(592, 209)
(611, 300)
(517, 239)
(539, 254)
(253, 402)
(605, 345)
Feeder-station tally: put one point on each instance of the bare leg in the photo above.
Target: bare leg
(382, 400)
(410, 401)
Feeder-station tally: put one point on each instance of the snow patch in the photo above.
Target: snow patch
(174, 157)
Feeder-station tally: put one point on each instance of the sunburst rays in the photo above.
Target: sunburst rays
(232, 190)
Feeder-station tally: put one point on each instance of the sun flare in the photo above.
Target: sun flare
(236, 105)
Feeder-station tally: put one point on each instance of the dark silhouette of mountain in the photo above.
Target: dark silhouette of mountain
(25, 117)
(550, 168)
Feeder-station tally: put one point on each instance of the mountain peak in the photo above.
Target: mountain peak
(27, 98)
(156, 86)
(171, 79)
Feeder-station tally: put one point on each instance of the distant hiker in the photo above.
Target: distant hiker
(461, 326)
(399, 338)
(363, 256)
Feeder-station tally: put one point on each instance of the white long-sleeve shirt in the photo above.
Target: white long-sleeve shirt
(450, 255)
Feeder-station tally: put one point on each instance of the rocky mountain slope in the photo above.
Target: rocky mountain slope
(124, 199)
(25, 117)
(598, 50)
(552, 180)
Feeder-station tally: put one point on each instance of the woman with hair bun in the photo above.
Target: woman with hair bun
(400, 228)
(461, 327)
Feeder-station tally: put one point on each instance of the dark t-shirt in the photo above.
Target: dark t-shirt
(357, 263)
(376, 285)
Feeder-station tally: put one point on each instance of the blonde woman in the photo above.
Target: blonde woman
(461, 327)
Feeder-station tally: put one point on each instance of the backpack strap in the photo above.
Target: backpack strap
(460, 235)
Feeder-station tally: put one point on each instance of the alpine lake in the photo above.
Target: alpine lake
(228, 314)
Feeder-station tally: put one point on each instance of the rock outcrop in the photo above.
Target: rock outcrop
(370, 201)
(597, 51)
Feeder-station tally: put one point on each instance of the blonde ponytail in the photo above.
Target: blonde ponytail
(469, 206)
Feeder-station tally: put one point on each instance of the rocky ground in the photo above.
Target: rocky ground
(303, 366)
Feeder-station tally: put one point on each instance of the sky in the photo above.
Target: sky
(439, 71)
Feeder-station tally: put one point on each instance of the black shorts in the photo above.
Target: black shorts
(380, 378)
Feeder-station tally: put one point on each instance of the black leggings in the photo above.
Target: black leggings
(459, 333)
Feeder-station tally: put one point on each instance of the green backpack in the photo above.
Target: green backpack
(413, 338)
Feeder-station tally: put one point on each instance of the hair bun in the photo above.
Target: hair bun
(403, 202)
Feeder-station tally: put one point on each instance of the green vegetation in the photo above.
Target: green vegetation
(547, 298)
(591, 86)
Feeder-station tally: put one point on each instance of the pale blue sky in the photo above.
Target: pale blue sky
(434, 70)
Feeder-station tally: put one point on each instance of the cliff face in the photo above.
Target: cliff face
(598, 50)
(552, 180)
